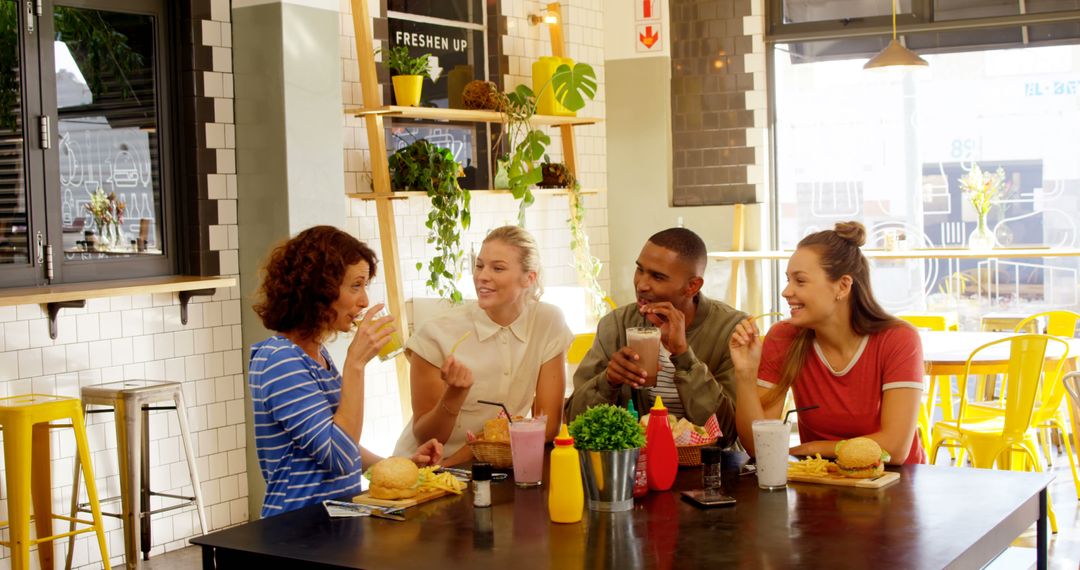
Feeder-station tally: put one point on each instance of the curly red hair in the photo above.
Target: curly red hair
(302, 279)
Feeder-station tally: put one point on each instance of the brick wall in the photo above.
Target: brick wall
(717, 101)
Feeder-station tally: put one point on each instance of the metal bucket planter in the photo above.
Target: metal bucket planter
(609, 478)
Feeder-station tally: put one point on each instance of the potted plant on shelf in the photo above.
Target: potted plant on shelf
(424, 167)
(527, 146)
(608, 440)
(408, 74)
(555, 175)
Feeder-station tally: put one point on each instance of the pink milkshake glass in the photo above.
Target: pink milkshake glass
(527, 449)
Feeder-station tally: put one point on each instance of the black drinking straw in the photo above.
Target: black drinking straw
(787, 416)
(505, 411)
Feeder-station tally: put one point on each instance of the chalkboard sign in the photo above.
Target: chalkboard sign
(458, 41)
(460, 52)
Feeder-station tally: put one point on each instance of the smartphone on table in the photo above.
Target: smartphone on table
(708, 498)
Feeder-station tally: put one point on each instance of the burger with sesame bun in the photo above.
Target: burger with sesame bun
(860, 458)
(394, 478)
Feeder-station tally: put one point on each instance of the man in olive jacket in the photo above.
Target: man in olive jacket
(696, 377)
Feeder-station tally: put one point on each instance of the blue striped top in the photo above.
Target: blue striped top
(304, 456)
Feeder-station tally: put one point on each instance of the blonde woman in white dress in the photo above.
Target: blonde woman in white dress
(514, 352)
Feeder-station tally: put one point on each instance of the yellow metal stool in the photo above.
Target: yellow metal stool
(25, 421)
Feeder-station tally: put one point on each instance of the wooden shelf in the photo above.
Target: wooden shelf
(462, 115)
(411, 194)
(98, 289)
(929, 253)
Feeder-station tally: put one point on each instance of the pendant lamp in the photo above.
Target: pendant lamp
(895, 55)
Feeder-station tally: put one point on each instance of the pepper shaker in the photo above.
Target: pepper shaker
(481, 478)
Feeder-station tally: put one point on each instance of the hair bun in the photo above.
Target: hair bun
(853, 232)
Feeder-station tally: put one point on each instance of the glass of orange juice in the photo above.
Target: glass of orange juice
(394, 346)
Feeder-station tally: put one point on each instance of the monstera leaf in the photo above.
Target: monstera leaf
(573, 85)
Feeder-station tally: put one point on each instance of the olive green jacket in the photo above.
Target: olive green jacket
(704, 374)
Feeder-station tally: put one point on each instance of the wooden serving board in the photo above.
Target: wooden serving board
(366, 499)
(878, 482)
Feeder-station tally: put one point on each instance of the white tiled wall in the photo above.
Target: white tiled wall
(546, 219)
(140, 337)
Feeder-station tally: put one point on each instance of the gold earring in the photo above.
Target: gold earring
(838, 297)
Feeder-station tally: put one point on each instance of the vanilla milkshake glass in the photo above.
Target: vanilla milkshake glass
(771, 439)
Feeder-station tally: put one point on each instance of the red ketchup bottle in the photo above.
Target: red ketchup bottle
(641, 479)
(663, 462)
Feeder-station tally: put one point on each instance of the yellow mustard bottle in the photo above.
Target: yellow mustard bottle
(566, 497)
(542, 70)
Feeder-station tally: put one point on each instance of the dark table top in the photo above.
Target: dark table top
(932, 518)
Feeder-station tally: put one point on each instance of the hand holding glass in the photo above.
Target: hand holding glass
(645, 341)
(394, 346)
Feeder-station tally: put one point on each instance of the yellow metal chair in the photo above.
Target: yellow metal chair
(993, 442)
(933, 322)
(579, 347)
(1058, 323)
(1048, 413)
(946, 321)
(26, 421)
(1071, 382)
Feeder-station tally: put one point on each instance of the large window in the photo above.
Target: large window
(888, 149)
(85, 168)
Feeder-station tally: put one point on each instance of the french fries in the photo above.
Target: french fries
(431, 481)
(811, 466)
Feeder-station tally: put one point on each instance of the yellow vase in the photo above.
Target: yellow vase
(542, 70)
(407, 89)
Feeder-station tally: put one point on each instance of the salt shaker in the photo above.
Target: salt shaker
(481, 478)
(710, 467)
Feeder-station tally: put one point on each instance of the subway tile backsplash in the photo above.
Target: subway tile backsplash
(126, 338)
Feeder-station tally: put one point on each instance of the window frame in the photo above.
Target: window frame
(919, 20)
(43, 191)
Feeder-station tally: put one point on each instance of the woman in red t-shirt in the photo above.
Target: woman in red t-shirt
(839, 350)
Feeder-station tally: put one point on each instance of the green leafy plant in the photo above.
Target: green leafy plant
(424, 167)
(571, 86)
(606, 428)
(399, 61)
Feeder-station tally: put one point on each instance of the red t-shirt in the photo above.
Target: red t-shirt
(850, 399)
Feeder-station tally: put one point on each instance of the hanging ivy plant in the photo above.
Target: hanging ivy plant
(586, 264)
(424, 167)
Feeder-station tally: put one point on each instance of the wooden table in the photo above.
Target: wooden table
(934, 517)
(944, 353)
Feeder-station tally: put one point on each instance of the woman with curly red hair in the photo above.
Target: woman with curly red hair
(308, 415)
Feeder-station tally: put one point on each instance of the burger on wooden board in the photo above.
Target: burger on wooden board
(860, 458)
